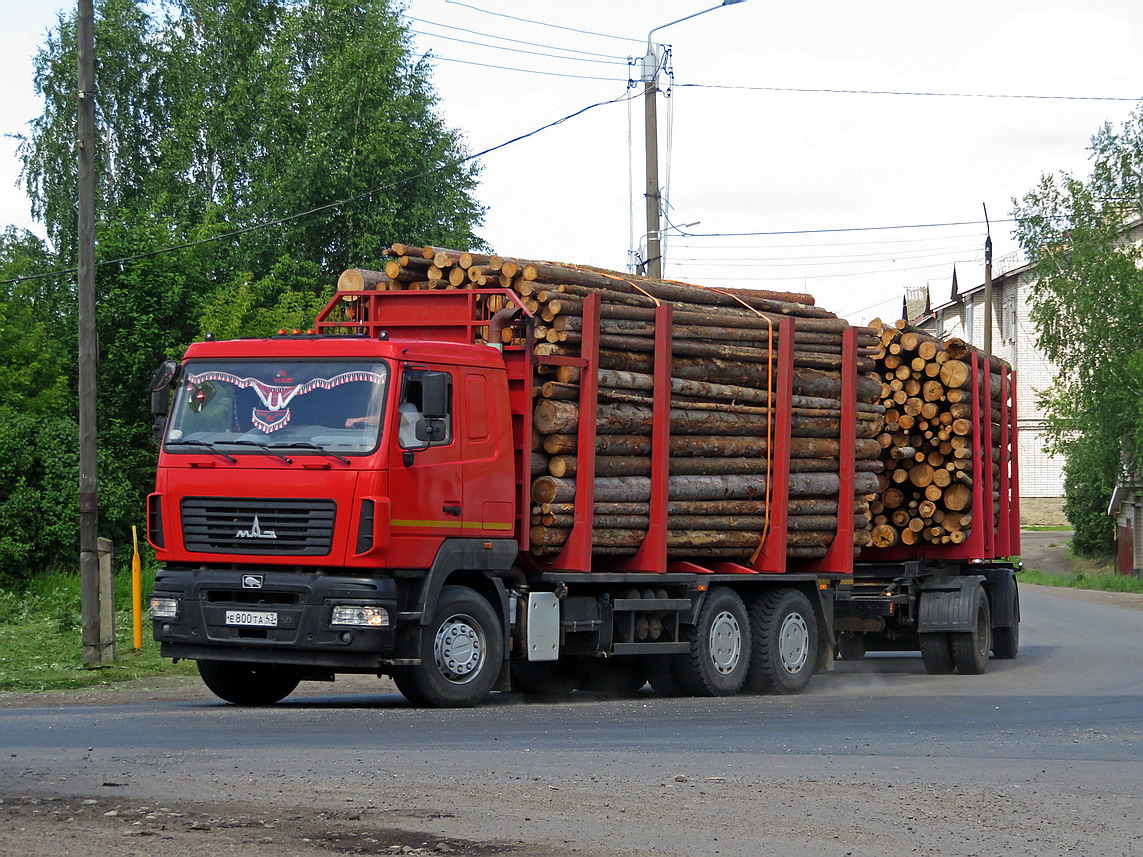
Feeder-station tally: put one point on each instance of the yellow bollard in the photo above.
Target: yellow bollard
(137, 590)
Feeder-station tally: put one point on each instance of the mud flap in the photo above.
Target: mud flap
(949, 604)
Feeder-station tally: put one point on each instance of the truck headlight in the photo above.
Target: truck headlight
(163, 607)
(360, 616)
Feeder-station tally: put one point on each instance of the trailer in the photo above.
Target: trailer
(361, 499)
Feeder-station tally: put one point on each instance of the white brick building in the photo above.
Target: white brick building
(960, 313)
(1014, 340)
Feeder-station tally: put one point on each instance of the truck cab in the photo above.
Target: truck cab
(315, 494)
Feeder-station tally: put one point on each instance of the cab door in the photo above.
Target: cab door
(426, 476)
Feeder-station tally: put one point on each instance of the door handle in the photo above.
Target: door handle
(451, 509)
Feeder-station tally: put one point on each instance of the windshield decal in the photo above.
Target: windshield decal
(277, 397)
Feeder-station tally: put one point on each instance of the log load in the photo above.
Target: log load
(723, 364)
(932, 411)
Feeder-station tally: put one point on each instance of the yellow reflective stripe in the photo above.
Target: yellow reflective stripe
(449, 524)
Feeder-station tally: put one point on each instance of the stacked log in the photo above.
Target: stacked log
(722, 404)
(931, 413)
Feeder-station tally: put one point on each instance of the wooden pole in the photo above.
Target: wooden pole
(94, 651)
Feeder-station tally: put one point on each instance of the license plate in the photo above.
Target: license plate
(251, 617)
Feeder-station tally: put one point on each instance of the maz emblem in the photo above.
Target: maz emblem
(252, 581)
(255, 532)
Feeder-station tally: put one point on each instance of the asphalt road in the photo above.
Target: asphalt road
(1042, 755)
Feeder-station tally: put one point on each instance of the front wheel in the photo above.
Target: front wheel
(248, 684)
(461, 653)
(785, 642)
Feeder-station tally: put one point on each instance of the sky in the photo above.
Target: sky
(784, 163)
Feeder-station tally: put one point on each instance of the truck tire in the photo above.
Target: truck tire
(461, 653)
(1006, 641)
(784, 642)
(720, 647)
(936, 653)
(248, 684)
(970, 648)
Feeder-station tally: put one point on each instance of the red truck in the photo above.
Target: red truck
(358, 500)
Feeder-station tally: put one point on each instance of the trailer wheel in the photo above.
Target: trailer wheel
(784, 645)
(936, 653)
(1006, 641)
(720, 647)
(461, 653)
(851, 645)
(970, 648)
(248, 684)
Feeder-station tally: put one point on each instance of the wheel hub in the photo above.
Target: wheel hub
(725, 642)
(794, 643)
(458, 649)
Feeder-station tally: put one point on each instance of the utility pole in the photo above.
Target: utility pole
(653, 264)
(95, 647)
(987, 284)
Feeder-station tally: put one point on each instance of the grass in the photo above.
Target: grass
(1099, 575)
(1041, 529)
(41, 637)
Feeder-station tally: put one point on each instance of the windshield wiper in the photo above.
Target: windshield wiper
(314, 446)
(261, 446)
(205, 444)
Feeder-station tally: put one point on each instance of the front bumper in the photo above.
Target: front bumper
(303, 603)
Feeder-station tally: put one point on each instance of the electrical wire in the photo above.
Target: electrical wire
(841, 229)
(544, 23)
(513, 41)
(454, 40)
(803, 89)
(527, 70)
(234, 233)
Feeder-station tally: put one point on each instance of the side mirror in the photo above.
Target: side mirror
(434, 396)
(161, 381)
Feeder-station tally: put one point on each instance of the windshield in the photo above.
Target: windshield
(228, 406)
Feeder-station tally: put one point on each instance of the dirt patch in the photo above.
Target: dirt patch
(50, 826)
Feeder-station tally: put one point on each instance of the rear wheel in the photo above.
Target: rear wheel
(720, 647)
(784, 642)
(461, 653)
(970, 648)
(248, 684)
(1006, 641)
(936, 653)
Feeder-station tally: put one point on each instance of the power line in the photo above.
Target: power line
(841, 229)
(234, 233)
(833, 244)
(803, 89)
(529, 70)
(514, 41)
(543, 23)
(813, 261)
(454, 40)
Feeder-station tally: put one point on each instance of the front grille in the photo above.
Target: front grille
(243, 526)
